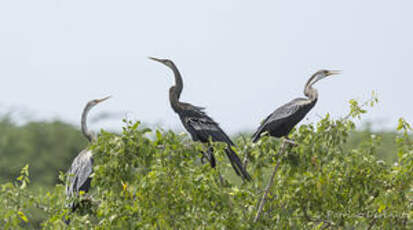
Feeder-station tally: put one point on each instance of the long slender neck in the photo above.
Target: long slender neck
(88, 134)
(309, 91)
(176, 90)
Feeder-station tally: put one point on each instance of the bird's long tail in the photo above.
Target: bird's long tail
(256, 136)
(237, 164)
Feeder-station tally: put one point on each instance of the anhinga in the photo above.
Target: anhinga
(282, 120)
(78, 176)
(201, 127)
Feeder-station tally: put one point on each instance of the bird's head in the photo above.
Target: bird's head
(97, 101)
(166, 62)
(321, 74)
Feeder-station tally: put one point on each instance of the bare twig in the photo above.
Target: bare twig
(245, 161)
(270, 182)
(326, 223)
(372, 223)
(221, 180)
(291, 142)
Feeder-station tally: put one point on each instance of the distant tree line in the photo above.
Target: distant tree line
(50, 146)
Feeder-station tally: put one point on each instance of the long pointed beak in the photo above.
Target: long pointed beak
(333, 72)
(103, 99)
(155, 59)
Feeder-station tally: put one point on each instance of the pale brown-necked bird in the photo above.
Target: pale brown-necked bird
(78, 176)
(283, 119)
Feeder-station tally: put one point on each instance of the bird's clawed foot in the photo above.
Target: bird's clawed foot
(203, 158)
(209, 157)
(291, 142)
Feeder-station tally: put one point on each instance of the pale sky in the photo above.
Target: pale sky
(240, 59)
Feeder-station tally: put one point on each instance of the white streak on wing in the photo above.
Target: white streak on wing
(79, 172)
(302, 102)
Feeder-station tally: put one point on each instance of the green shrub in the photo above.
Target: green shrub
(160, 183)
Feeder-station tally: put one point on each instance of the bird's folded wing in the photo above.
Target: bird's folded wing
(79, 172)
(283, 112)
(206, 128)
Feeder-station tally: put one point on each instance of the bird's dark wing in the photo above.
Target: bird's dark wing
(290, 113)
(78, 178)
(260, 129)
(286, 110)
(204, 128)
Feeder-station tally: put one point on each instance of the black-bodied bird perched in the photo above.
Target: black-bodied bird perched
(201, 127)
(282, 120)
(78, 176)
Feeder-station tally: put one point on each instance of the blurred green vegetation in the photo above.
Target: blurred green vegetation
(337, 177)
(50, 146)
(387, 148)
(160, 183)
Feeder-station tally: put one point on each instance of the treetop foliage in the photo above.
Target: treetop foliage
(159, 183)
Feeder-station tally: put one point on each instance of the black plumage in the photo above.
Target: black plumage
(200, 126)
(283, 119)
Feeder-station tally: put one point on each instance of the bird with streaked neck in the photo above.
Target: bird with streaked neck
(283, 119)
